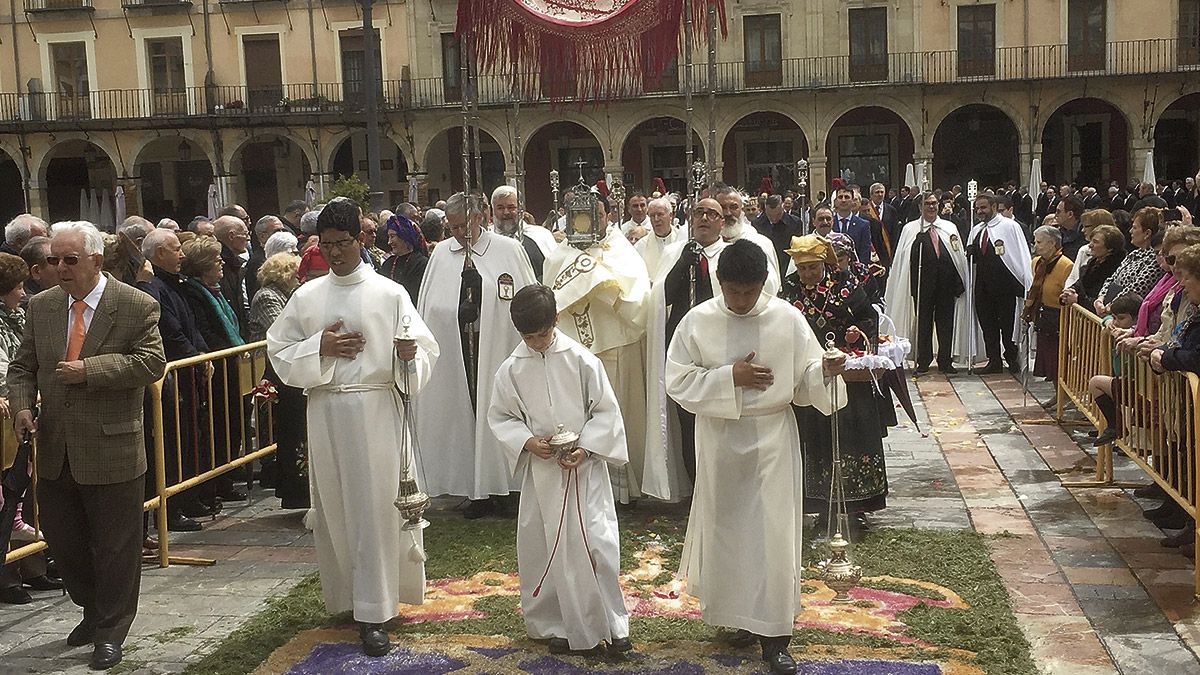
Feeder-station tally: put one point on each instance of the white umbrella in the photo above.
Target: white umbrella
(106, 212)
(412, 191)
(310, 192)
(910, 176)
(119, 208)
(1148, 176)
(214, 201)
(83, 204)
(921, 176)
(1035, 178)
(93, 215)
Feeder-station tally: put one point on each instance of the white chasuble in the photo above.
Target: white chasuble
(460, 456)
(355, 436)
(602, 295)
(741, 557)
(534, 394)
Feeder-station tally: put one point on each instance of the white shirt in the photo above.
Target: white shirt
(92, 300)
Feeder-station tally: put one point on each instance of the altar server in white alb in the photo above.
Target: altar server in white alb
(465, 303)
(337, 338)
(738, 362)
(602, 292)
(568, 549)
(926, 287)
(1001, 278)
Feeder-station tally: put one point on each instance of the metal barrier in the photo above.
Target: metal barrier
(199, 415)
(1160, 428)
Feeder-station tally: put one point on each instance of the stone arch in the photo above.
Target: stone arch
(79, 164)
(627, 125)
(665, 155)
(731, 116)
(1115, 97)
(424, 141)
(579, 119)
(899, 107)
(552, 146)
(235, 148)
(1105, 138)
(1019, 120)
(275, 173)
(961, 154)
(871, 143)
(1177, 137)
(12, 186)
(198, 139)
(763, 144)
(174, 174)
(347, 154)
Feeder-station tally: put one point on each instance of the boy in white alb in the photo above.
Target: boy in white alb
(568, 550)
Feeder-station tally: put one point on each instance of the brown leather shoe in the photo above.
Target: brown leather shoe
(150, 543)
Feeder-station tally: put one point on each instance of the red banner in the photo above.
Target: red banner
(581, 49)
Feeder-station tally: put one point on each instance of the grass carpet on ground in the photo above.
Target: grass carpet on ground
(927, 595)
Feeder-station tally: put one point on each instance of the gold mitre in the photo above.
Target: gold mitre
(812, 248)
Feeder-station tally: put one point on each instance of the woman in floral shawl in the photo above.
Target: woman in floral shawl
(838, 306)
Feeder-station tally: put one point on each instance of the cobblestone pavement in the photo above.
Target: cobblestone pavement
(1092, 588)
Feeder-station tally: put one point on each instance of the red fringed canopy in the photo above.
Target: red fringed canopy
(581, 49)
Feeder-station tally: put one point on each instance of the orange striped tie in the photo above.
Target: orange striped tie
(78, 331)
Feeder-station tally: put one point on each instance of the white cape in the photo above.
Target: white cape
(460, 457)
(541, 236)
(741, 556)
(652, 246)
(355, 433)
(1016, 258)
(534, 394)
(898, 297)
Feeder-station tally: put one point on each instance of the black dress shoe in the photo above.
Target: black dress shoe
(374, 639)
(948, 370)
(181, 523)
(233, 495)
(1185, 536)
(742, 639)
(15, 595)
(82, 634)
(992, 368)
(196, 510)
(620, 645)
(105, 655)
(559, 646)
(1014, 367)
(44, 583)
(1109, 435)
(781, 663)
(921, 370)
(1151, 491)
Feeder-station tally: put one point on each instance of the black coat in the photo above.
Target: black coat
(1092, 278)
(176, 322)
(1186, 356)
(780, 234)
(231, 287)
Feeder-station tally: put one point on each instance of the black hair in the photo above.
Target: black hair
(340, 214)
(533, 309)
(1128, 303)
(1004, 202)
(743, 262)
(296, 205)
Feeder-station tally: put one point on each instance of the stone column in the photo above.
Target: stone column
(922, 156)
(818, 178)
(38, 205)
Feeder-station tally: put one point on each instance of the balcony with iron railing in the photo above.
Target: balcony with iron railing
(1046, 62)
(38, 6)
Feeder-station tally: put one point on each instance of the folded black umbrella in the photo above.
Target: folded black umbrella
(896, 381)
(16, 481)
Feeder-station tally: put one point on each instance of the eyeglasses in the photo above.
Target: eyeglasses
(340, 244)
(1170, 259)
(707, 214)
(53, 260)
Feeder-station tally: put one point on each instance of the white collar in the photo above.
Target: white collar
(92, 299)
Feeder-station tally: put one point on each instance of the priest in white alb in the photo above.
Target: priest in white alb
(339, 339)
(464, 300)
(568, 545)
(662, 234)
(602, 293)
(738, 362)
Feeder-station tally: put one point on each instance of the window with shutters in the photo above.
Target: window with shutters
(763, 51)
(976, 40)
(1086, 34)
(868, 44)
(1189, 32)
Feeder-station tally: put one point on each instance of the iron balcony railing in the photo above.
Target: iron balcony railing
(57, 5)
(943, 67)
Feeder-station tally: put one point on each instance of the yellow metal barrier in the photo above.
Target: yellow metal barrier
(200, 413)
(1159, 424)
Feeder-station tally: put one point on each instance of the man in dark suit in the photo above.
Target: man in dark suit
(235, 240)
(885, 224)
(847, 221)
(1091, 198)
(91, 346)
(779, 226)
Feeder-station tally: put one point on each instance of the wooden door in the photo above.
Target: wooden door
(264, 76)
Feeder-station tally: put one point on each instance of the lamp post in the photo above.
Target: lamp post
(372, 84)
